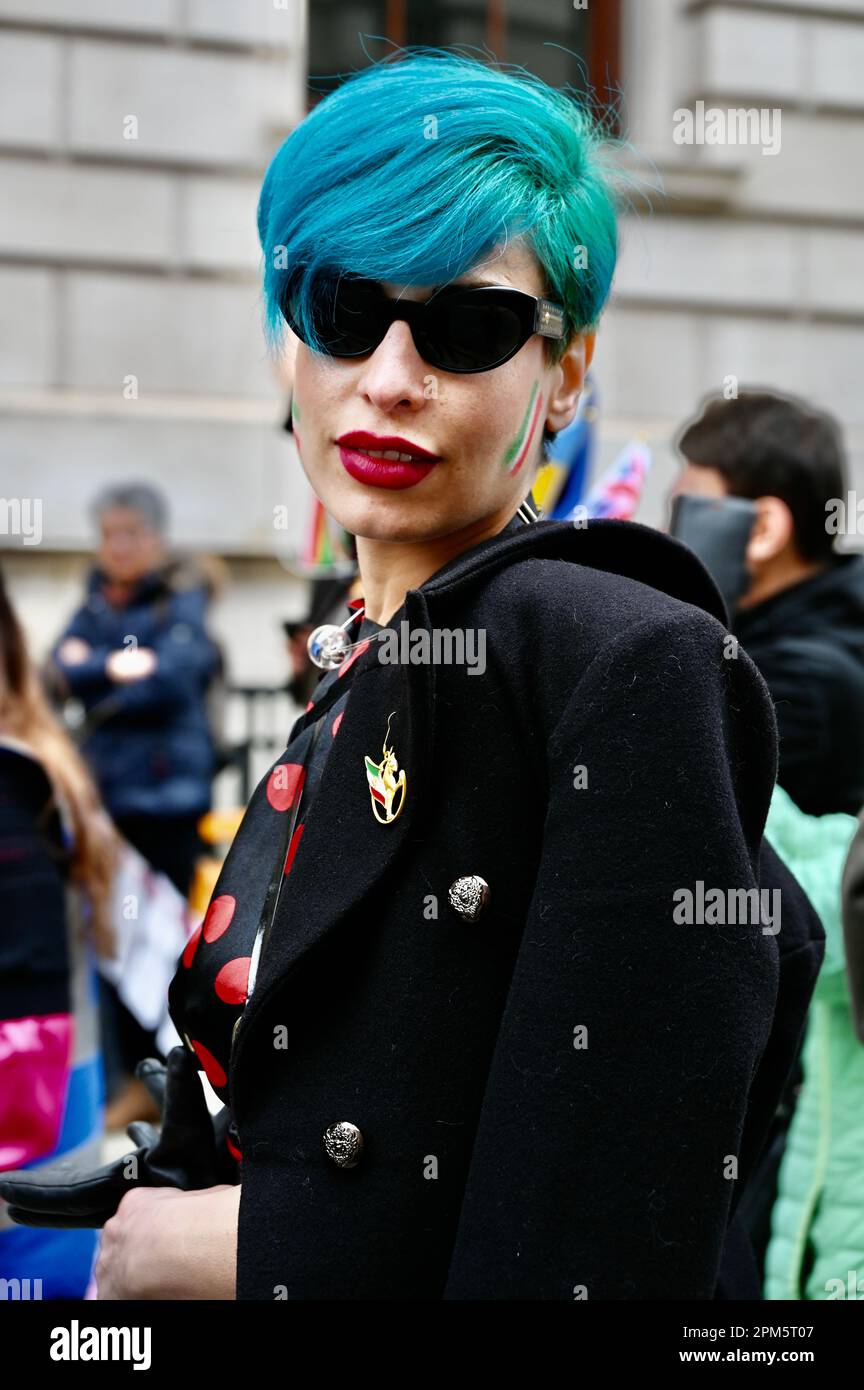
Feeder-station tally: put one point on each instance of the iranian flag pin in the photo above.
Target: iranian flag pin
(386, 783)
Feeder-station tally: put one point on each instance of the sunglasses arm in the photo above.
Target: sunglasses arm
(548, 319)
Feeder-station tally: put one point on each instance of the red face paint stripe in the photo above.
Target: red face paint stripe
(524, 454)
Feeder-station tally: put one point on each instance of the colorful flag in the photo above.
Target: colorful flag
(326, 547)
(376, 784)
(617, 492)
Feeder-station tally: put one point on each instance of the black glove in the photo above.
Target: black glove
(190, 1152)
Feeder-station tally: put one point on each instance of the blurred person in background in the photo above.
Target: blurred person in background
(139, 659)
(817, 1223)
(57, 851)
(800, 617)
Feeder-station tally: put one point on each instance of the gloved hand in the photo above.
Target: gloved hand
(190, 1152)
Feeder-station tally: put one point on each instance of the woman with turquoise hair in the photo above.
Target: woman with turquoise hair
(465, 1047)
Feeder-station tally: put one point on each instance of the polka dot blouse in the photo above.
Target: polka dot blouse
(208, 992)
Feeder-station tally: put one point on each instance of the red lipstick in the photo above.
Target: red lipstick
(399, 472)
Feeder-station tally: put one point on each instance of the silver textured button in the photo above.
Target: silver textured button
(469, 896)
(343, 1143)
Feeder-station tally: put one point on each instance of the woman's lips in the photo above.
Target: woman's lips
(383, 472)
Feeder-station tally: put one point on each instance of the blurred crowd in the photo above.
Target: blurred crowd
(109, 751)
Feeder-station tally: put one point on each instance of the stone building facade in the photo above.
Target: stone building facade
(133, 139)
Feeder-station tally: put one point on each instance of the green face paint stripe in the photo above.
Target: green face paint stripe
(295, 409)
(530, 435)
(515, 446)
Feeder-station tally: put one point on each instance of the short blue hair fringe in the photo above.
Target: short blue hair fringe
(369, 185)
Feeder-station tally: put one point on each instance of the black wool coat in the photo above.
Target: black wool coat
(562, 1098)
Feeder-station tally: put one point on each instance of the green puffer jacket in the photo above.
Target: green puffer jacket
(817, 1225)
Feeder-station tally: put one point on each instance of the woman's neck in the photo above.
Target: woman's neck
(388, 569)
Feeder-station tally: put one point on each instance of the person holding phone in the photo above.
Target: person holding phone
(760, 499)
(767, 475)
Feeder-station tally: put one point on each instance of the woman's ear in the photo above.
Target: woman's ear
(773, 530)
(569, 381)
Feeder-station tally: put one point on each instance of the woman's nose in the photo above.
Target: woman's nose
(395, 372)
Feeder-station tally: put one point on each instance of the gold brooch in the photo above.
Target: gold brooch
(385, 784)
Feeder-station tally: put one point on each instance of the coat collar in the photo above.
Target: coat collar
(617, 547)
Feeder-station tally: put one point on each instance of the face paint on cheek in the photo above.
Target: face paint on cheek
(517, 451)
(295, 420)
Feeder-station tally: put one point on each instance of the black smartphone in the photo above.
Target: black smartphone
(717, 530)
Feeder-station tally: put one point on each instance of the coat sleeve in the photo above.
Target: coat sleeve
(816, 848)
(86, 680)
(817, 690)
(853, 926)
(614, 1109)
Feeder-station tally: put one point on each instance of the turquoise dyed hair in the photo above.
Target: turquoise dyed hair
(417, 166)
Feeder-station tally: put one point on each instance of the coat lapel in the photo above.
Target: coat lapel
(344, 853)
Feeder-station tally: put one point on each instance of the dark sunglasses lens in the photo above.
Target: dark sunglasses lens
(472, 332)
(346, 313)
(352, 317)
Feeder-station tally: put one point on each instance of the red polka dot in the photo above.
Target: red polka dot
(219, 915)
(232, 982)
(284, 785)
(191, 946)
(336, 722)
(292, 848)
(233, 1149)
(212, 1070)
(311, 705)
(358, 651)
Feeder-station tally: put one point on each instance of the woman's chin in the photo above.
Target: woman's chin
(385, 515)
(396, 530)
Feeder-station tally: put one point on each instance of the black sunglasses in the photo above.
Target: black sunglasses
(458, 329)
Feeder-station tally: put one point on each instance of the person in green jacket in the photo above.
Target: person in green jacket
(816, 1250)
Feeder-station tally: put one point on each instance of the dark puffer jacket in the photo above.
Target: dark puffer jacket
(808, 642)
(148, 743)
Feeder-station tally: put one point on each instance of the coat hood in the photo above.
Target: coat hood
(618, 547)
